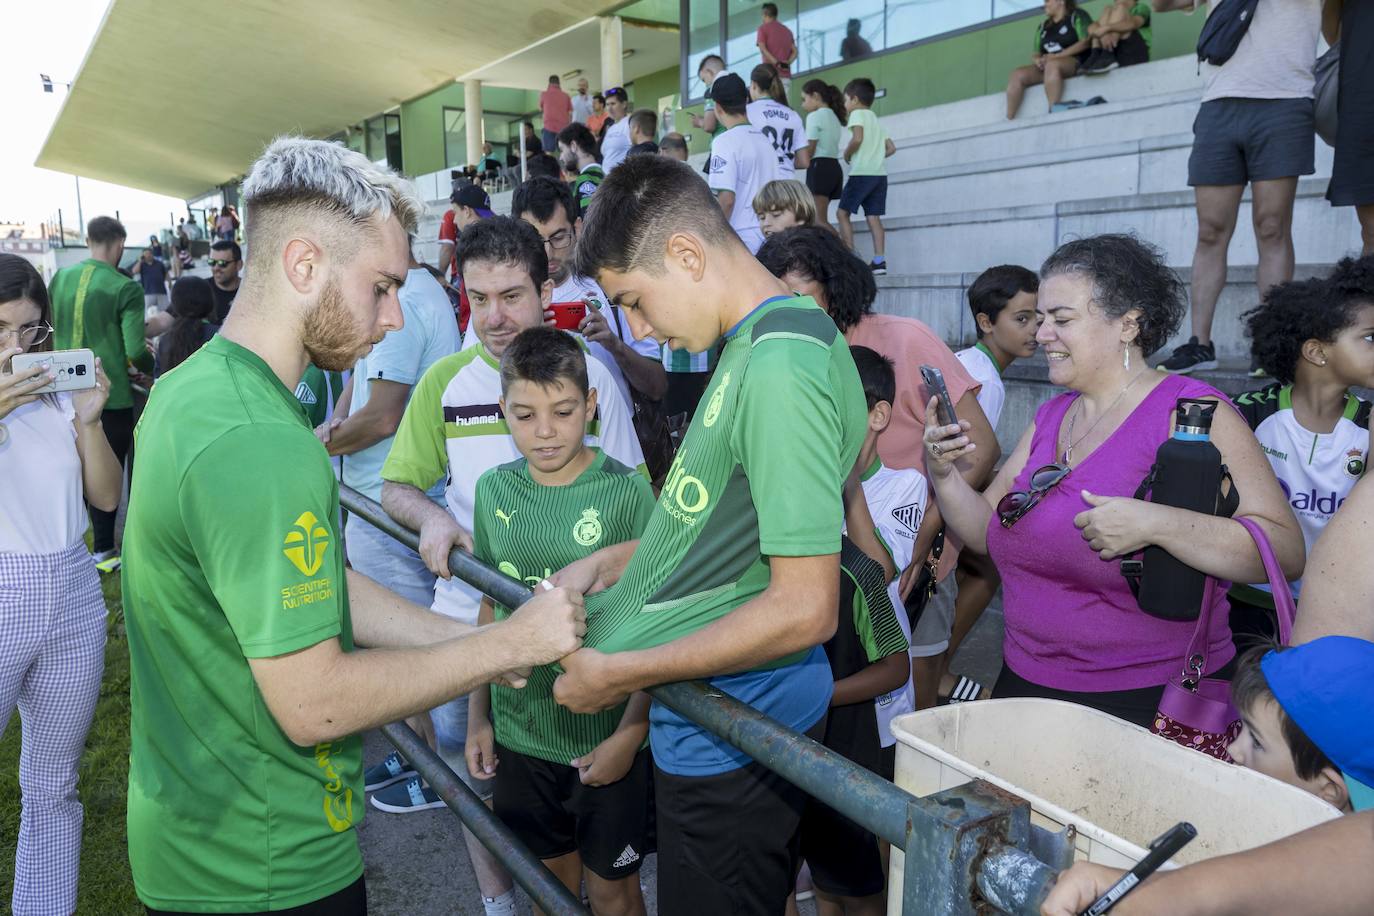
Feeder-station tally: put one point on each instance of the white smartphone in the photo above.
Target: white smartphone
(75, 369)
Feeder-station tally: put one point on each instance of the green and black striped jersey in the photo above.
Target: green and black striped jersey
(530, 531)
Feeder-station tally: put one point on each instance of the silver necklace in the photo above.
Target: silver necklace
(1074, 443)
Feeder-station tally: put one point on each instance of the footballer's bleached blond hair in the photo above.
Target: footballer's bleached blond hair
(296, 178)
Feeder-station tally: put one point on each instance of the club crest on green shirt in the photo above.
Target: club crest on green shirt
(587, 529)
(717, 400)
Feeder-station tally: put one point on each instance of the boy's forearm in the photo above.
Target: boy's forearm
(636, 715)
(879, 678)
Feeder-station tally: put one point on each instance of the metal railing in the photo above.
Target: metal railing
(967, 850)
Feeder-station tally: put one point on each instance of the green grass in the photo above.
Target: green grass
(106, 885)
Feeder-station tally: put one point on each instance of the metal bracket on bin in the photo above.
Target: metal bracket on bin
(965, 854)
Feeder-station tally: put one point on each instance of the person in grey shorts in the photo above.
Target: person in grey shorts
(1255, 127)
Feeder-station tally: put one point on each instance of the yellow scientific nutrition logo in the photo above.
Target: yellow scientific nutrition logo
(306, 544)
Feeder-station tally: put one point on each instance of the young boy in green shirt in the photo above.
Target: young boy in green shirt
(574, 788)
(869, 145)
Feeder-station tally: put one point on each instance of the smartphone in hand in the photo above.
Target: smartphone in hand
(567, 316)
(935, 385)
(75, 369)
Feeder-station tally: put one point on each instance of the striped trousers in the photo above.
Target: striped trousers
(52, 656)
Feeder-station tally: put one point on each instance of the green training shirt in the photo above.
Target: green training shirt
(232, 552)
(759, 475)
(97, 307)
(530, 531)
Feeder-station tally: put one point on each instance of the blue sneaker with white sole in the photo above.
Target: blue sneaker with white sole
(391, 770)
(406, 797)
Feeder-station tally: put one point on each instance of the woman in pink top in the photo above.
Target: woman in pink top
(1073, 629)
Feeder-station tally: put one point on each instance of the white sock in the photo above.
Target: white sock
(500, 906)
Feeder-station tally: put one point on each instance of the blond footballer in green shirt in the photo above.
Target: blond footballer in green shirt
(247, 690)
(736, 576)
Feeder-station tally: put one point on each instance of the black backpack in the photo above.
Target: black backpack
(1223, 30)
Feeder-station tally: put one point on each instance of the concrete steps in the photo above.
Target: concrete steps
(941, 301)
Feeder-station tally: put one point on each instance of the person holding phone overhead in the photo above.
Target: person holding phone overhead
(52, 616)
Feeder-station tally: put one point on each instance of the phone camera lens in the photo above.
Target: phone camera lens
(81, 369)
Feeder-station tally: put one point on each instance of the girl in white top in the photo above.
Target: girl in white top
(53, 452)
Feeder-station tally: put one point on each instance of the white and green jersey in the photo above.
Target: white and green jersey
(1316, 470)
(897, 499)
(686, 361)
(759, 475)
(453, 427)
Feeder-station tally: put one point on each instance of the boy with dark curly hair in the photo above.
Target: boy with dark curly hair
(1316, 339)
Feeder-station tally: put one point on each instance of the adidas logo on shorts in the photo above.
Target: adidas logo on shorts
(627, 858)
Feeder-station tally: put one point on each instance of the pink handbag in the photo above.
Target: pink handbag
(1196, 711)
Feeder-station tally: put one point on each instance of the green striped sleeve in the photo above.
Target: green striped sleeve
(875, 619)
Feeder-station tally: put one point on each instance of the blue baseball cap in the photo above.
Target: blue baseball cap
(1327, 688)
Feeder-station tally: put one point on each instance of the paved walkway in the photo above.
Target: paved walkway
(417, 865)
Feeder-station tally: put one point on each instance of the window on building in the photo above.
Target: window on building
(703, 38)
(496, 130)
(827, 32)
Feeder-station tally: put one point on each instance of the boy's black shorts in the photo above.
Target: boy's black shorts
(547, 806)
(843, 856)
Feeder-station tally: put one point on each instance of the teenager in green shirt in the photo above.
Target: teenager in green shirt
(736, 576)
(247, 691)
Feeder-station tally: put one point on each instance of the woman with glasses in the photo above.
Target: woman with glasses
(54, 457)
(1061, 513)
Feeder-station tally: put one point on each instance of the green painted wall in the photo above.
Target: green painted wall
(964, 66)
(646, 90)
(422, 121)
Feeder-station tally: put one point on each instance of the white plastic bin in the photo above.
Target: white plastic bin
(1119, 785)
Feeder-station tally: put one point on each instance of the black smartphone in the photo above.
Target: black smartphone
(935, 384)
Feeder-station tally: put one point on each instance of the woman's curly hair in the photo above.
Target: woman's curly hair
(1126, 274)
(818, 253)
(1301, 310)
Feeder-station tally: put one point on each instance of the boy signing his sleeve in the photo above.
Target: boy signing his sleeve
(574, 788)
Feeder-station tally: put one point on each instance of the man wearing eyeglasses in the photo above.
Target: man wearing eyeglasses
(548, 206)
(226, 260)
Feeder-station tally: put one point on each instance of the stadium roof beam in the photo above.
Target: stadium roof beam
(248, 71)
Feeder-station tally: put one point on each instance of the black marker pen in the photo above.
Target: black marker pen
(1161, 850)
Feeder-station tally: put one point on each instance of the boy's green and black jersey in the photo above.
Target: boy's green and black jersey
(530, 531)
(868, 632)
(585, 184)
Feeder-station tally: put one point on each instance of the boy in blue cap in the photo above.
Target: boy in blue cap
(1308, 715)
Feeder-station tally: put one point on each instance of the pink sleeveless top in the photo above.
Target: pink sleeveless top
(1071, 620)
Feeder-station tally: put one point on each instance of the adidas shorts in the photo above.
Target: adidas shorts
(547, 806)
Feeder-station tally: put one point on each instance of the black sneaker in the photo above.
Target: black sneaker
(1096, 58)
(1190, 357)
(1256, 370)
(391, 770)
(1106, 63)
(879, 268)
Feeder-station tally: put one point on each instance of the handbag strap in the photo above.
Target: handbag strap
(1284, 606)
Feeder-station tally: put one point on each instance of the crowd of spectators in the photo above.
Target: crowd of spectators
(658, 387)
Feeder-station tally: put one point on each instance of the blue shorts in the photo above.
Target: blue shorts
(867, 191)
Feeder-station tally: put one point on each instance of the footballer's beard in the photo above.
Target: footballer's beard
(332, 337)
